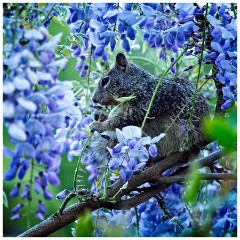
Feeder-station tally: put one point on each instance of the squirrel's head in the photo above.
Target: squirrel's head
(121, 81)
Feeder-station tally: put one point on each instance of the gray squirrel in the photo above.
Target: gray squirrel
(127, 79)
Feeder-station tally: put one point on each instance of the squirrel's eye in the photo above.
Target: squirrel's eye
(105, 81)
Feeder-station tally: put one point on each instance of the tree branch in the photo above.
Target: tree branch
(148, 175)
(69, 215)
(162, 185)
(202, 176)
(151, 174)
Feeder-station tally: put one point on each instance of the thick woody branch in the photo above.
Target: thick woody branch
(150, 174)
(162, 184)
(71, 213)
(202, 176)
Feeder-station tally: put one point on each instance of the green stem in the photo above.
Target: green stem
(48, 13)
(189, 212)
(165, 211)
(157, 87)
(30, 190)
(88, 78)
(181, 111)
(234, 10)
(15, 26)
(137, 219)
(107, 174)
(198, 77)
(63, 45)
(203, 43)
(79, 161)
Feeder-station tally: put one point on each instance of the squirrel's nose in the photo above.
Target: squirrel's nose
(94, 99)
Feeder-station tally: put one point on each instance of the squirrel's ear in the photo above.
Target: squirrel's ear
(121, 61)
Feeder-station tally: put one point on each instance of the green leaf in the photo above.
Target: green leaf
(56, 20)
(41, 5)
(5, 200)
(75, 42)
(107, 176)
(65, 53)
(84, 227)
(125, 99)
(112, 111)
(224, 130)
(207, 68)
(192, 185)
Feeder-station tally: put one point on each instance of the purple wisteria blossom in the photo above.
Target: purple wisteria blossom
(131, 153)
(35, 106)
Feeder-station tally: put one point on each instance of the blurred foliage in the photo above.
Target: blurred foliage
(224, 129)
(84, 226)
(193, 184)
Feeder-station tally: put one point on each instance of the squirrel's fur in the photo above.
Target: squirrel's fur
(127, 79)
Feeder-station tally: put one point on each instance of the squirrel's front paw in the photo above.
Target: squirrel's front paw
(96, 126)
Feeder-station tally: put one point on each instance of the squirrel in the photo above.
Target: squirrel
(174, 95)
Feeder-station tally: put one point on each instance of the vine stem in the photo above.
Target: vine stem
(79, 160)
(30, 190)
(157, 87)
(15, 27)
(88, 78)
(181, 111)
(198, 77)
(234, 10)
(137, 220)
(65, 43)
(48, 13)
(164, 209)
(191, 215)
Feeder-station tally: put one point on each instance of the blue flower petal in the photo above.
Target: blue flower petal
(25, 166)
(21, 83)
(98, 51)
(52, 178)
(26, 104)
(147, 11)
(17, 208)
(8, 152)
(153, 150)
(26, 191)
(25, 150)
(125, 45)
(8, 87)
(15, 191)
(113, 164)
(17, 132)
(131, 32)
(213, 21)
(47, 194)
(34, 126)
(128, 17)
(56, 120)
